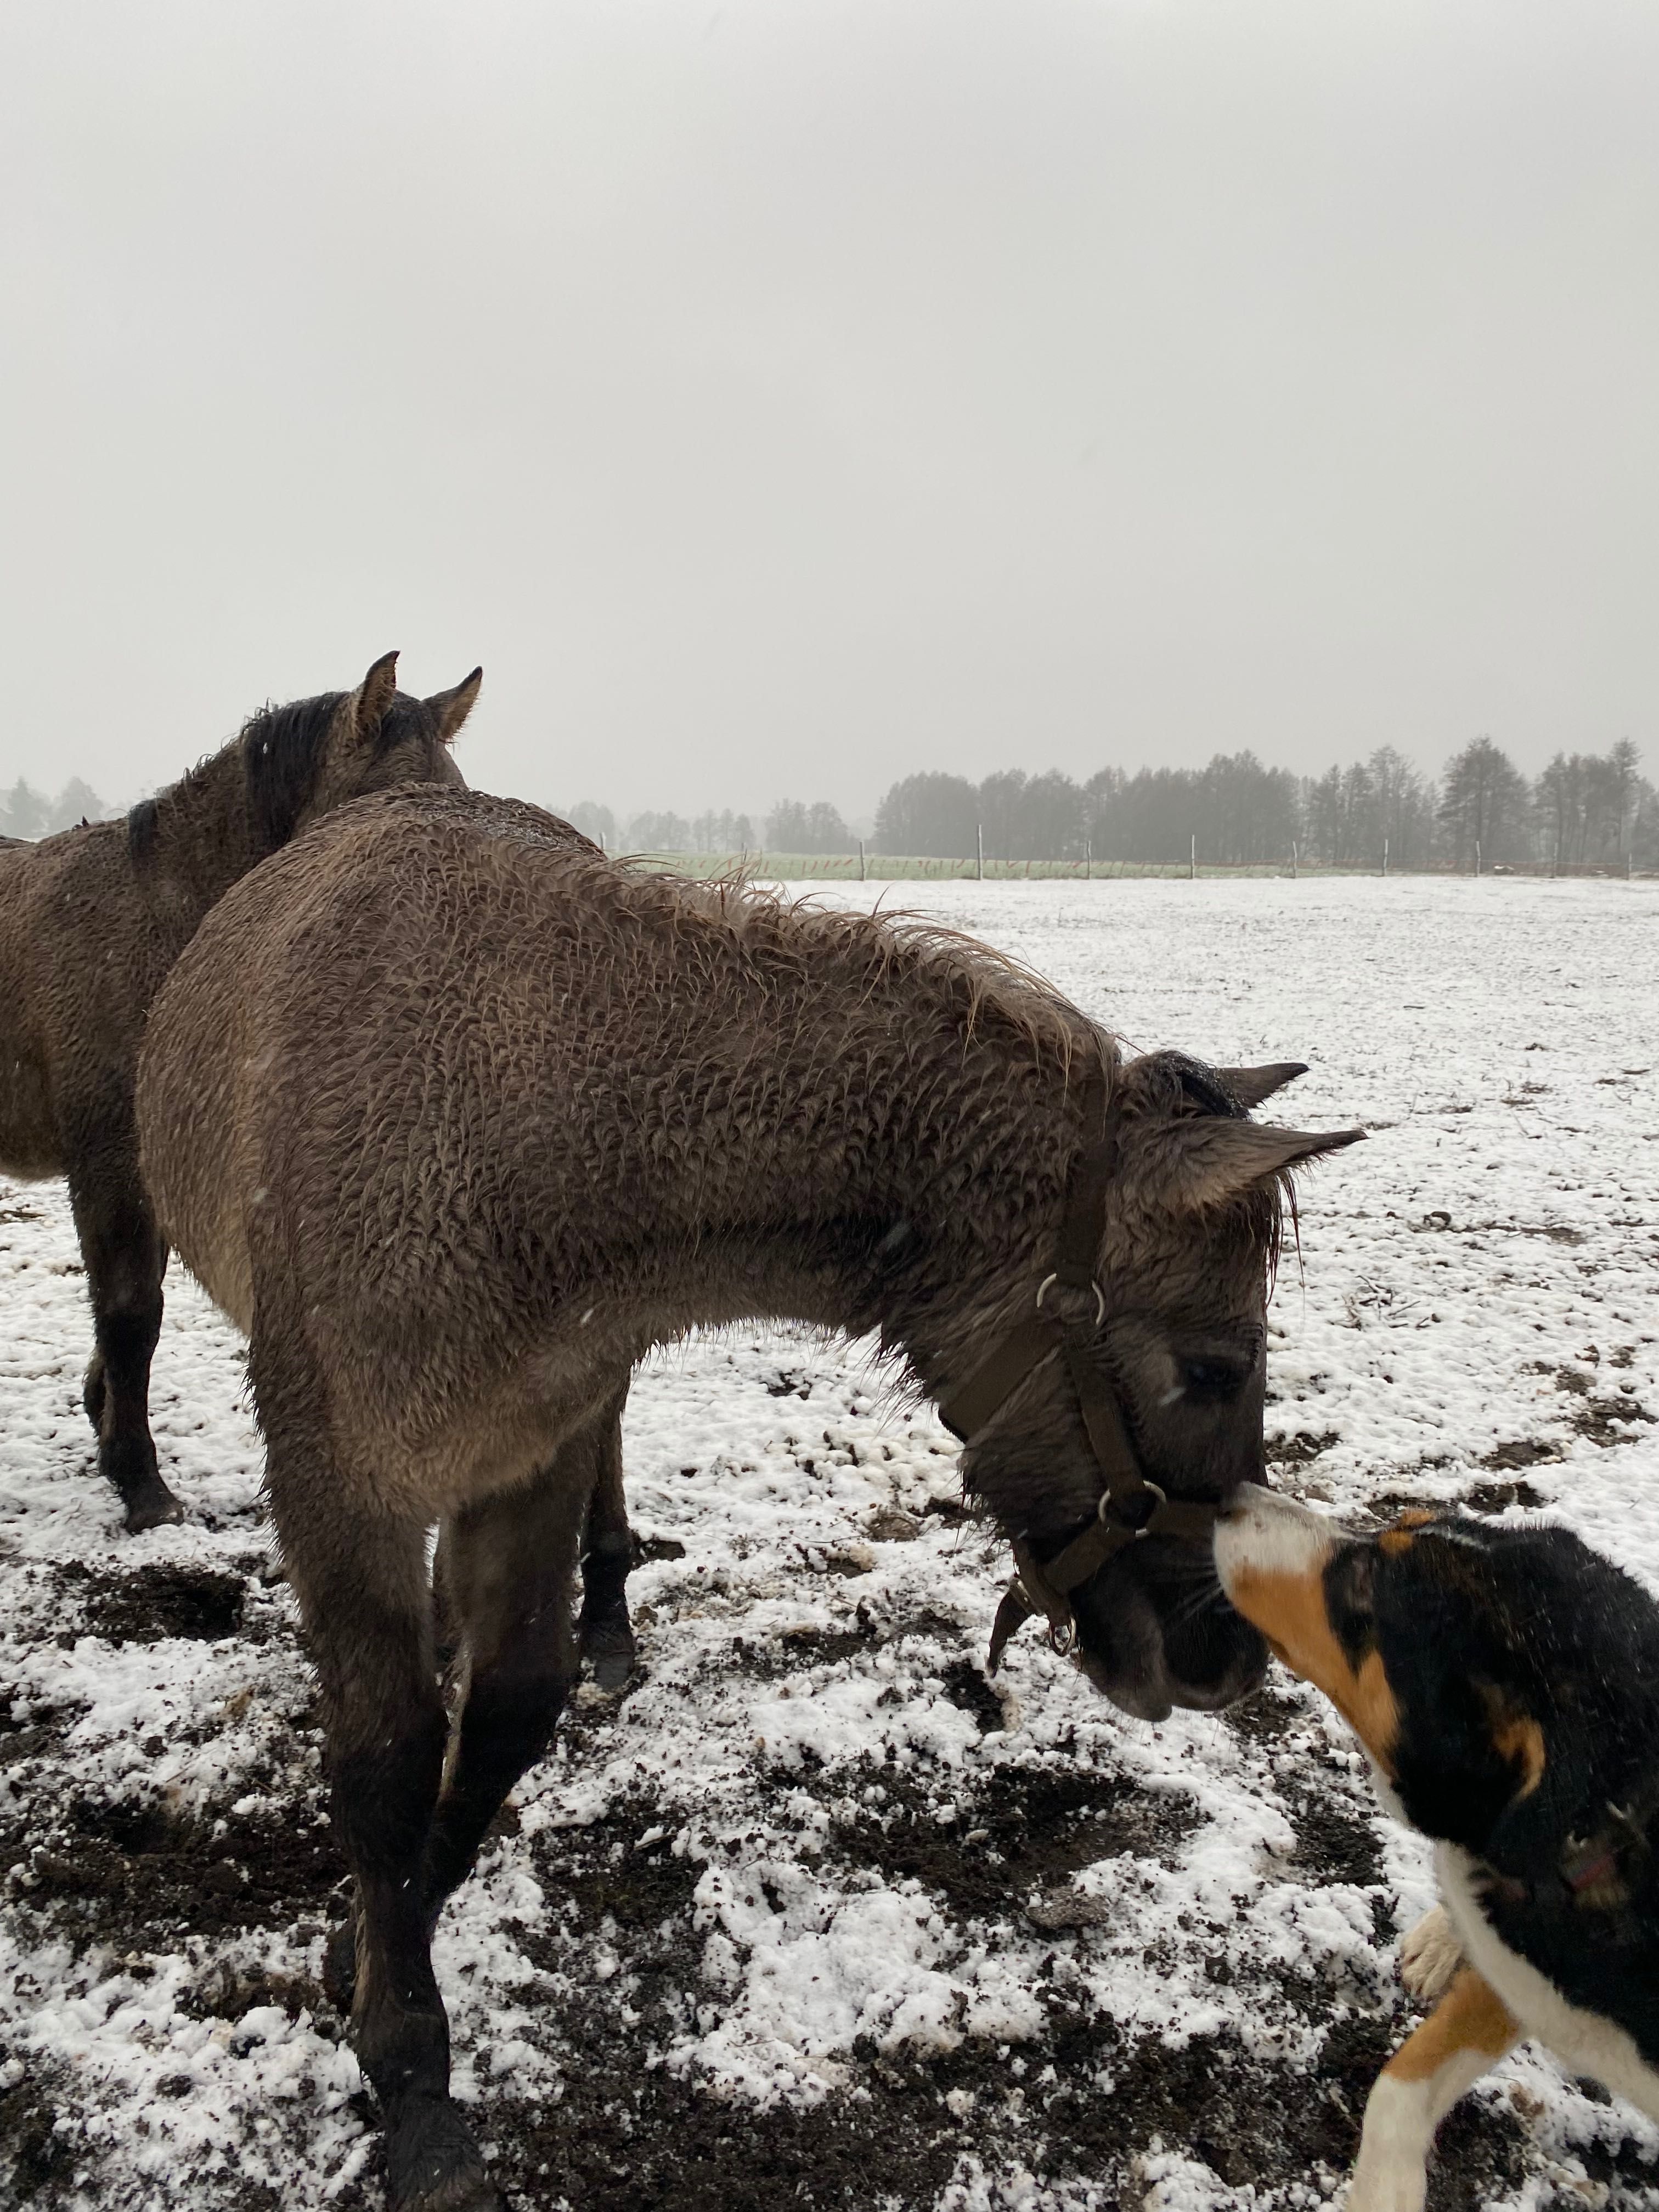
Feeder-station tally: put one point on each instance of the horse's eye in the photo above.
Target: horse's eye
(1213, 1379)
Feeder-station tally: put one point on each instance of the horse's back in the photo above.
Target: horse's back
(323, 993)
(68, 936)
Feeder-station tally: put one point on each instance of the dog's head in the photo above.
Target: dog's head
(1501, 1679)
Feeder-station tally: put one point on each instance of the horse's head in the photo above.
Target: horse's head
(305, 759)
(1163, 1364)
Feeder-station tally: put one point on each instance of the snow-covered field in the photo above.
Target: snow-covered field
(815, 1916)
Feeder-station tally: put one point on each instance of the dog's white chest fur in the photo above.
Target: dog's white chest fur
(1585, 2041)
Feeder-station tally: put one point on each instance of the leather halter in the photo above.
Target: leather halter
(1130, 1506)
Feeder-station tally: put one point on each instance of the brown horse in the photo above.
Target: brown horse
(458, 1121)
(90, 923)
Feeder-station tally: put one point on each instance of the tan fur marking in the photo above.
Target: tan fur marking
(1518, 1739)
(1394, 1541)
(1290, 1611)
(1471, 2016)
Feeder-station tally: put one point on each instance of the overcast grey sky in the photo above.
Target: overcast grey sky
(779, 398)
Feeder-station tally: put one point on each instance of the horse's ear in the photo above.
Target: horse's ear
(1220, 1160)
(1251, 1086)
(371, 703)
(452, 707)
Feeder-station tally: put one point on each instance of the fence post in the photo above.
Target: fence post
(1555, 865)
(1477, 856)
(978, 849)
(1088, 859)
(1192, 860)
(1293, 860)
(861, 859)
(1385, 856)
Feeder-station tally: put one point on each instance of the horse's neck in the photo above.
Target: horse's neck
(892, 1164)
(203, 838)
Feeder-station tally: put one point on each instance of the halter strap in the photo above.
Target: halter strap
(1130, 1506)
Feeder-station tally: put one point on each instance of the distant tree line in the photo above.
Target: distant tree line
(789, 828)
(24, 813)
(1585, 808)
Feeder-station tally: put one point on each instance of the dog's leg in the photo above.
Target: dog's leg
(1466, 2034)
(1429, 1957)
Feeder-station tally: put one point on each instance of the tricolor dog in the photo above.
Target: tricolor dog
(1505, 1682)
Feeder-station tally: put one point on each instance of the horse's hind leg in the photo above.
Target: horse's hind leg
(125, 1258)
(606, 1632)
(360, 1580)
(507, 1569)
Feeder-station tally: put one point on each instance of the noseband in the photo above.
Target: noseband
(1130, 1506)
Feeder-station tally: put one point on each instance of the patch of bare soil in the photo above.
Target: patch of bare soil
(984, 1851)
(135, 1871)
(1498, 1497)
(149, 1603)
(1299, 1450)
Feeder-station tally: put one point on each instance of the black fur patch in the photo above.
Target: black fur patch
(141, 832)
(284, 748)
(1195, 1085)
(1475, 1624)
(1206, 1090)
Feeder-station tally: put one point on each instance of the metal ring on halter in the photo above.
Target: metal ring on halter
(1100, 1296)
(1158, 1492)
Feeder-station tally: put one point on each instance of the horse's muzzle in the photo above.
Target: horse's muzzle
(1155, 1631)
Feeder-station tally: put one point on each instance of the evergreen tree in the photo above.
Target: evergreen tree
(1484, 801)
(25, 813)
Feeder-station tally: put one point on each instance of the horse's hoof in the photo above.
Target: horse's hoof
(433, 2165)
(607, 1646)
(604, 1634)
(612, 1669)
(152, 1506)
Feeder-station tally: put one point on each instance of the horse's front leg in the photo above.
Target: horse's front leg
(125, 1258)
(605, 1632)
(361, 1581)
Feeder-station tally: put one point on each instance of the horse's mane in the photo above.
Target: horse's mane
(282, 751)
(992, 987)
(283, 748)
